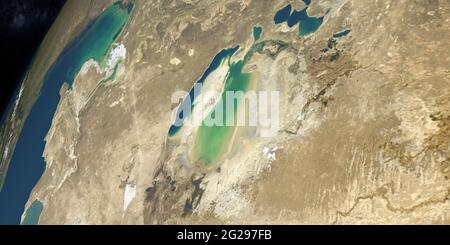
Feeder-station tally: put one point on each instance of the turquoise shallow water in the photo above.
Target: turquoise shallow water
(93, 43)
(33, 213)
(211, 141)
(27, 165)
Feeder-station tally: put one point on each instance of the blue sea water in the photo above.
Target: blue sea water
(27, 164)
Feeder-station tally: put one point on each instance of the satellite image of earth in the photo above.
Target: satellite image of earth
(119, 119)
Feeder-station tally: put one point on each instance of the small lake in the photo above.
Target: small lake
(341, 33)
(257, 30)
(31, 216)
(27, 164)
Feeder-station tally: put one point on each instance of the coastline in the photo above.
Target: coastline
(59, 35)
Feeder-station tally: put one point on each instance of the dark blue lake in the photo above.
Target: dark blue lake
(341, 33)
(307, 24)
